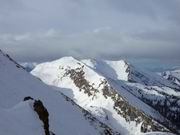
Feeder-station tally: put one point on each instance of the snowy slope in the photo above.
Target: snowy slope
(18, 117)
(20, 120)
(110, 102)
(163, 95)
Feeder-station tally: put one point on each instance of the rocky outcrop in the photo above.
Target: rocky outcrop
(42, 112)
(77, 75)
(122, 107)
(129, 112)
(43, 115)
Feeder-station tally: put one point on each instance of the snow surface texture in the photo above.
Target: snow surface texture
(76, 76)
(18, 118)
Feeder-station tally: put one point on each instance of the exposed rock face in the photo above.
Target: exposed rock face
(28, 98)
(129, 112)
(43, 115)
(121, 106)
(77, 75)
(42, 112)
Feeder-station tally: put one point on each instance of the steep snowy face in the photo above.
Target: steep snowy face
(122, 70)
(50, 112)
(112, 69)
(114, 106)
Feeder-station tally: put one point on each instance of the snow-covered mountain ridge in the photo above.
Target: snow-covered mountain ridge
(122, 70)
(105, 89)
(155, 91)
(27, 106)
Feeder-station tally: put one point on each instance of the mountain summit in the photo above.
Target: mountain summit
(126, 99)
(27, 106)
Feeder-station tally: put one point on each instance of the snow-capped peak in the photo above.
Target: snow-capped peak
(93, 86)
(18, 117)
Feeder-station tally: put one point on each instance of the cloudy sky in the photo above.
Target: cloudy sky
(39, 30)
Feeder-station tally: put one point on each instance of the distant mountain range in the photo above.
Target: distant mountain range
(172, 75)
